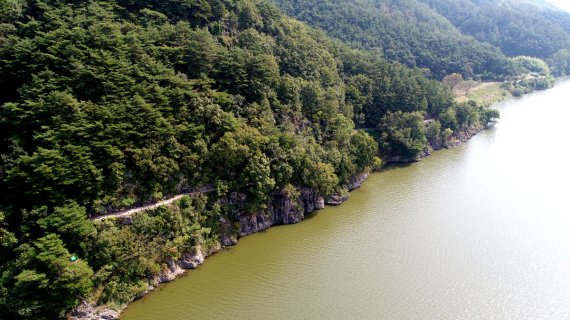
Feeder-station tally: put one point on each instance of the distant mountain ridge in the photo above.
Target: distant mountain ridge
(533, 28)
(445, 36)
(409, 32)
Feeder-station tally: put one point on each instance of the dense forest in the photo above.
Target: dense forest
(405, 31)
(470, 37)
(106, 105)
(519, 29)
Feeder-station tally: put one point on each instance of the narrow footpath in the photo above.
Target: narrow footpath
(129, 212)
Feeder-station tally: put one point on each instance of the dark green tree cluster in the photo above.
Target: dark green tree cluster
(519, 28)
(407, 112)
(110, 104)
(128, 256)
(469, 37)
(41, 276)
(406, 136)
(106, 105)
(406, 31)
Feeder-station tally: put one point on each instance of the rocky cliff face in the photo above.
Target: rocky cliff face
(284, 207)
(462, 136)
(356, 181)
(86, 311)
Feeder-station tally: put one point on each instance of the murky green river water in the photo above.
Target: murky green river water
(481, 231)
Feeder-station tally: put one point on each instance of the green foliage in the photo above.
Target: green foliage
(127, 254)
(468, 37)
(452, 80)
(489, 116)
(10, 10)
(321, 177)
(448, 119)
(524, 64)
(533, 74)
(560, 62)
(409, 32)
(376, 87)
(43, 282)
(403, 134)
(238, 158)
(434, 132)
(363, 150)
(70, 222)
(112, 104)
(7, 239)
(518, 28)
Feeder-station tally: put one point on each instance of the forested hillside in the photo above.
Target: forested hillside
(406, 31)
(112, 104)
(470, 37)
(518, 28)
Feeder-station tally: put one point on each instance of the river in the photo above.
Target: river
(481, 231)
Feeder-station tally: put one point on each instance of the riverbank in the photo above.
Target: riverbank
(459, 138)
(285, 207)
(490, 92)
(288, 206)
(460, 234)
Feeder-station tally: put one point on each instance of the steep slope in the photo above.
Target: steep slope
(107, 105)
(406, 31)
(529, 28)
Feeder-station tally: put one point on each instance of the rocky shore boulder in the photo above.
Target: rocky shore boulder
(87, 311)
(254, 223)
(336, 199)
(284, 207)
(228, 237)
(311, 200)
(170, 273)
(192, 261)
(356, 181)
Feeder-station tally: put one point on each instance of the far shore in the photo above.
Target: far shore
(487, 92)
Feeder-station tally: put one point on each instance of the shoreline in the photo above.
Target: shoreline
(257, 222)
(284, 209)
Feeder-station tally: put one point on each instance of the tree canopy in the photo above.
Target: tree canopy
(106, 105)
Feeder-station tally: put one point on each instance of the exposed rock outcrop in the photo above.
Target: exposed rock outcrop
(356, 181)
(336, 199)
(192, 261)
(172, 271)
(228, 238)
(311, 200)
(253, 223)
(124, 220)
(464, 135)
(320, 203)
(284, 207)
(87, 311)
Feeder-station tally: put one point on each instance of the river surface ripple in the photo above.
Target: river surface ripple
(481, 231)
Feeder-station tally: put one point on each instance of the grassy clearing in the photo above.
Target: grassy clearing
(483, 93)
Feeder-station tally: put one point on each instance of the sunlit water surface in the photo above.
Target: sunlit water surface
(481, 231)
